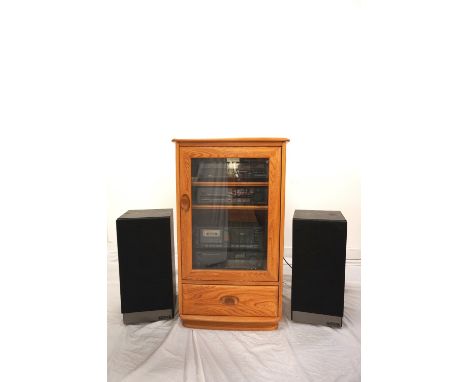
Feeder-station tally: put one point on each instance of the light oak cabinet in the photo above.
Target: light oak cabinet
(230, 221)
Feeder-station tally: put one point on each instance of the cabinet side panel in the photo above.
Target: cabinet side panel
(281, 230)
(274, 213)
(179, 251)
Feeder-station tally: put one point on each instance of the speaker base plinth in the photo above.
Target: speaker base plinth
(147, 316)
(316, 319)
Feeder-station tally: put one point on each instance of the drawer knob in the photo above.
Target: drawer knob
(229, 300)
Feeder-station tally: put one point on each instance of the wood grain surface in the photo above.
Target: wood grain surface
(230, 300)
(281, 229)
(274, 211)
(245, 142)
(229, 322)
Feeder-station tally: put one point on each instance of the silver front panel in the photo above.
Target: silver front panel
(148, 316)
(316, 319)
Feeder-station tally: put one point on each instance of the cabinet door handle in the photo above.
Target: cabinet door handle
(229, 300)
(185, 202)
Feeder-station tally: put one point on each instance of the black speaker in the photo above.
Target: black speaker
(318, 269)
(146, 265)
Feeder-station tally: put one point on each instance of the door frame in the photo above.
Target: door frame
(274, 212)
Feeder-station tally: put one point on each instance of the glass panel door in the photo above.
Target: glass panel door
(229, 213)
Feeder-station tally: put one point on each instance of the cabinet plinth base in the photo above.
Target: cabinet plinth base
(229, 322)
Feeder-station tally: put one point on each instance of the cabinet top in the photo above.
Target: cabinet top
(211, 141)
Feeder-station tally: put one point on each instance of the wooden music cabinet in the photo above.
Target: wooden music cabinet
(230, 221)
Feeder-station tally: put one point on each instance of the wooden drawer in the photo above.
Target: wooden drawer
(229, 300)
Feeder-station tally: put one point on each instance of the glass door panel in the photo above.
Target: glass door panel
(229, 213)
(230, 169)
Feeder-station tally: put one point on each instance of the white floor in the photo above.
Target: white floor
(167, 351)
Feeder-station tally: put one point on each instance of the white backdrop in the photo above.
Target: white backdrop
(273, 70)
(80, 77)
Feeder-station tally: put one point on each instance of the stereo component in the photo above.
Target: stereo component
(231, 195)
(207, 259)
(245, 237)
(230, 169)
(221, 259)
